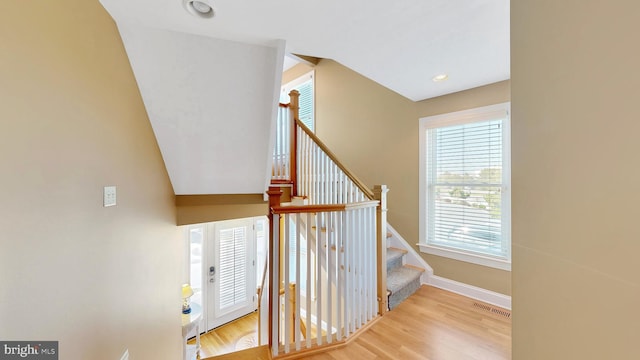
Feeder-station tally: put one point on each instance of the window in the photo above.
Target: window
(465, 205)
(304, 85)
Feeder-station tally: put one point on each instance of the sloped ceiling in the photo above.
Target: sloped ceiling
(211, 104)
(210, 86)
(399, 44)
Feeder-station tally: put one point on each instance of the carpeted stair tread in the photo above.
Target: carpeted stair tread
(394, 254)
(399, 277)
(402, 282)
(394, 258)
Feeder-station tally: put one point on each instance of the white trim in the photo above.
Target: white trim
(280, 46)
(474, 292)
(482, 113)
(412, 257)
(457, 118)
(466, 257)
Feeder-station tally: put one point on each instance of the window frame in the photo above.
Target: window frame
(485, 113)
(295, 84)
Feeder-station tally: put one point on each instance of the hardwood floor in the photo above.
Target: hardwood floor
(432, 324)
(236, 335)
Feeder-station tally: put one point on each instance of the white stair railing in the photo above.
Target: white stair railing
(282, 149)
(341, 297)
(320, 178)
(338, 284)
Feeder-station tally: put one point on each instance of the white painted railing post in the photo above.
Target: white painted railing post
(380, 192)
(294, 96)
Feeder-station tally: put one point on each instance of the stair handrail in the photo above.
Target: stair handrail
(298, 209)
(292, 142)
(350, 243)
(359, 183)
(315, 171)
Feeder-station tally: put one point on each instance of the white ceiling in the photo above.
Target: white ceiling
(399, 44)
(211, 86)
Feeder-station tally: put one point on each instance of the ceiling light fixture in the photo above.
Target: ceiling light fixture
(440, 77)
(199, 8)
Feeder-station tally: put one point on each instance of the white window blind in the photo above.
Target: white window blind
(305, 87)
(466, 180)
(233, 267)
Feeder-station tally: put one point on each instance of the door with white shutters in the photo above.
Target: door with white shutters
(231, 272)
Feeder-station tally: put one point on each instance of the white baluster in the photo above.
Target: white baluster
(285, 277)
(361, 269)
(339, 269)
(373, 257)
(347, 273)
(309, 286)
(275, 280)
(330, 275)
(319, 297)
(296, 324)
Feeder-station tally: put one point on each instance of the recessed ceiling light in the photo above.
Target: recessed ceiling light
(199, 8)
(440, 77)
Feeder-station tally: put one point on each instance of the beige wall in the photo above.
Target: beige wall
(98, 280)
(195, 209)
(575, 179)
(374, 131)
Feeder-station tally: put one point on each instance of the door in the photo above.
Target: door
(231, 272)
(196, 235)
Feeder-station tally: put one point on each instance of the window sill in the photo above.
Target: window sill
(466, 257)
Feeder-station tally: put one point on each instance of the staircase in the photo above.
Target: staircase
(402, 280)
(338, 284)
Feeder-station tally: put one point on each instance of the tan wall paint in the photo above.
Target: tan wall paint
(575, 179)
(195, 209)
(295, 72)
(98, 280)
(374, 131)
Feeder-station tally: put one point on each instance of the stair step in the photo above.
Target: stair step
(414, 267)
(394, 258)
(400, 277)
(402, 282)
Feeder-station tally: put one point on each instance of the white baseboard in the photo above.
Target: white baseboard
(474, 292)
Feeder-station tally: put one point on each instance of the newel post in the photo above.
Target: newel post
(274, 253)
(380, 192)
(294, 107)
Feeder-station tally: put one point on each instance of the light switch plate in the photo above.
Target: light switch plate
(109, 196)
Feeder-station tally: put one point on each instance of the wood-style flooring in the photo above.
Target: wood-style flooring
(432, 324)
(236, 335)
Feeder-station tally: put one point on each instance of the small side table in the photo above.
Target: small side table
(189, 322)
